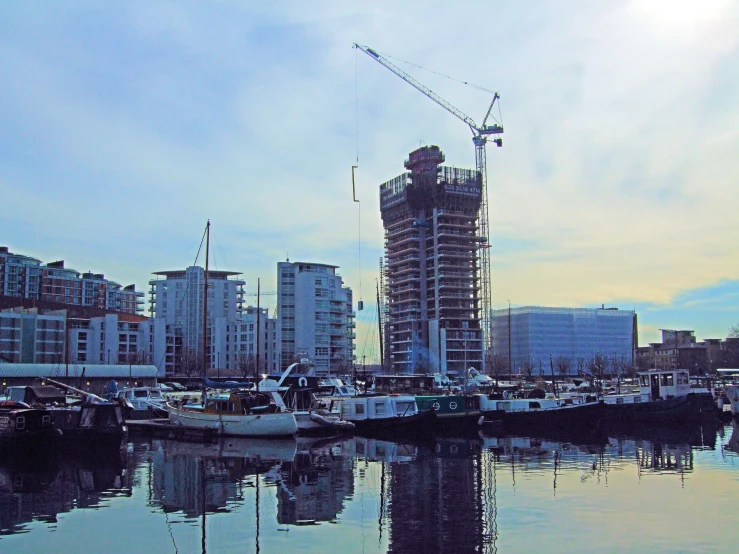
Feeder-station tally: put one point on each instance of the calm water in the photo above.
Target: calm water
(652, 493)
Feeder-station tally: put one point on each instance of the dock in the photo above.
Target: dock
(162, 429)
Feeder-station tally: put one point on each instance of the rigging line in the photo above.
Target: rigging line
(439, 74)
(356, 100)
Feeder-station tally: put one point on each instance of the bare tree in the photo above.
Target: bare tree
(733, 332)
(597, 366)
(140, 357)
(527, 367)
(499, 365)
(247, 364)
(189, 363)
(563, 364)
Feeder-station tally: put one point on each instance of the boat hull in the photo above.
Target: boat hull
(279, 424)
(419, 423)
(677, 410)
(585, 417)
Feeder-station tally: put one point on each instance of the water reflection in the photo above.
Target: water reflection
(40, 487)
(447, 495)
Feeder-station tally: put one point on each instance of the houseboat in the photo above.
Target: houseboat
(664, 397)
(385, 414)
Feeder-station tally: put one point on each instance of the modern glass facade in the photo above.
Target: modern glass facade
(539, 334)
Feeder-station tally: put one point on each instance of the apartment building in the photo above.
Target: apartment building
(315, 316)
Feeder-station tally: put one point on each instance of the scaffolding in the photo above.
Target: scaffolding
(433, 266)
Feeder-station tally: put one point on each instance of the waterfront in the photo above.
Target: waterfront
(354, 494)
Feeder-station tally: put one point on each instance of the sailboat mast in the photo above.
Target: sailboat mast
(379, 325)
(259, 333)
(205, 301)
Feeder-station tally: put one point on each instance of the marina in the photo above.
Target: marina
(490, 494)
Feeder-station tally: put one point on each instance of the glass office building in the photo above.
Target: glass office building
(537, 335)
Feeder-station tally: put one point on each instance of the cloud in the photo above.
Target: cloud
(127, 126)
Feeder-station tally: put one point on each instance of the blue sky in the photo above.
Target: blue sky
(126, 125)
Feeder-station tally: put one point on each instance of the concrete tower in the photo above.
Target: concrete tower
(432, 266)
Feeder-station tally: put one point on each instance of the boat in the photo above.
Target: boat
(574, 413)
(385, 413)
(664, 397)
(311, 413)
(84, 417)
(732, 393)
(143, 402)
(454, 412)
(21, 424)
(235, 413)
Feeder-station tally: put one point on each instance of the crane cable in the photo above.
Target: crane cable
(354, 189)
(473, 85)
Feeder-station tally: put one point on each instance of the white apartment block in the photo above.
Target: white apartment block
(315, 316)
(177, 298)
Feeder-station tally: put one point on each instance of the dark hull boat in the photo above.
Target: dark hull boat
(385, 415)
(19, 424)
(454, 413)
(570, 418)
(419, 423)
(89, 419)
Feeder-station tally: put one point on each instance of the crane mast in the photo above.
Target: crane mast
(480, 135)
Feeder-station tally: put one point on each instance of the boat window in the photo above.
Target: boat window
(404, 408)
(682, 379)
(345, 408)
(667, 379)
(358, 408)
(534, 406)
(643, 380)
(155, 394)
(139, 394)
(568, 401)
(637, 399)
(505, 406)
(380, 408)
(619, 400)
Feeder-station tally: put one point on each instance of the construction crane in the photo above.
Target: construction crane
(480, 134)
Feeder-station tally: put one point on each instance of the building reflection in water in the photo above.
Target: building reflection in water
(42, 485)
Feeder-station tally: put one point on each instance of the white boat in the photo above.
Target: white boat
(311, 414)
(242, 414)
(732, 393)
(385, 413)
(144, 401)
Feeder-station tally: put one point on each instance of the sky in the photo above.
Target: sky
(127, 125)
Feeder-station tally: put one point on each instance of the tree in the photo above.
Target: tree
(733, 332)
(498, 365)
(189, 363)
(140, 357)
(597, 366)
(247, 365)
(563, 365)
(527, 367)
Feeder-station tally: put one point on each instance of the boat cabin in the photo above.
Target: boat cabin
(239, 404)
(404, 383)
(377, 407)
(662, 384)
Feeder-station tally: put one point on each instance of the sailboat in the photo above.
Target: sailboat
(242, 413)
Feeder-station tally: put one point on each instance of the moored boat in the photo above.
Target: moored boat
(664, 397)
(385, 414)
(579, 413)
(20, 423)
(241, 413)
(455, 412)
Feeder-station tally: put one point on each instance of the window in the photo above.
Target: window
(359, 408)
(380, 408)
(667, 379)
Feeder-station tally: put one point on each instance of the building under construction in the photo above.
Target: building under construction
(432, 266)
